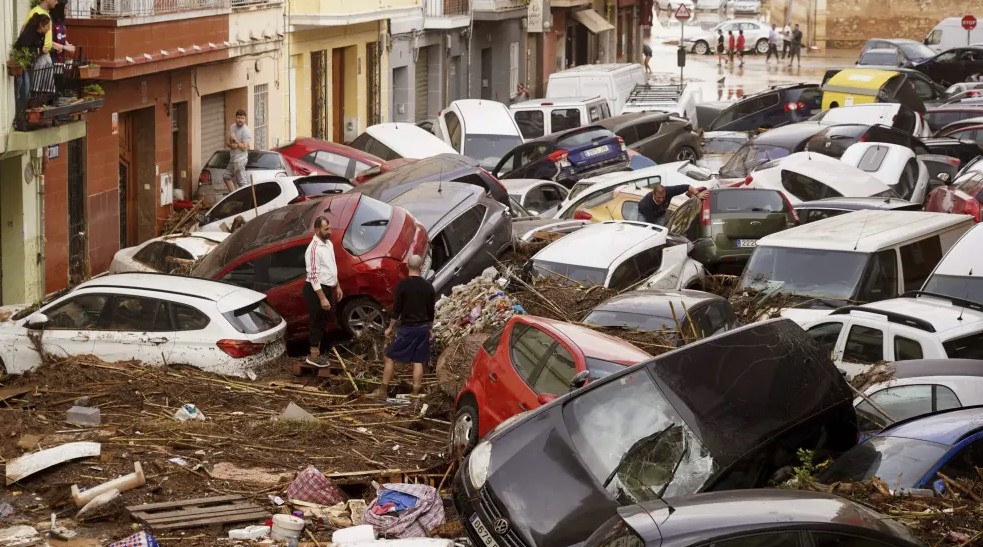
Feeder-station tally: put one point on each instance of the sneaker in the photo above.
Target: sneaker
(319, 361)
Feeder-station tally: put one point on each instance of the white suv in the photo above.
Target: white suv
(915, 326)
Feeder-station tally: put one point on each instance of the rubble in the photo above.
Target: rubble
(475, 307)
(296, 414)
(84, 416)
(121, 484)
(19, 536)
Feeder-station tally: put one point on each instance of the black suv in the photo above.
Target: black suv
(777, 106)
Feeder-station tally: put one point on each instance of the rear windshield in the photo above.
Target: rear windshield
(263, 160)
(580, 138)
(624, 319)
(889, 58)
(956, 286)
(746, 201)
(723, 146)
(937, 119)
(967, 347)
(254, 319)
(579, 274)
(368, 226)
(489, 149)
(749, 157)
(321, 188)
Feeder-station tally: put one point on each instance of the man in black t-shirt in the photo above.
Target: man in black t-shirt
(655, 204)
(413, 311)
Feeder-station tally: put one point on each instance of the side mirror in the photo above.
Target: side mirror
(546, 398)
(37, 321)
(430, 275)
(580, 380)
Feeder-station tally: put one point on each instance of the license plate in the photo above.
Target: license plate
(747, 243)
(483, 532)
(596, 151)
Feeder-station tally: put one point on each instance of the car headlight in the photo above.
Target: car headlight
(478, 463)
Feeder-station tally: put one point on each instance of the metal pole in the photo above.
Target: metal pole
(681, 33)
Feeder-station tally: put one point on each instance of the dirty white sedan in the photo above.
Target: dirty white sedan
(166, 253)
(153, 318)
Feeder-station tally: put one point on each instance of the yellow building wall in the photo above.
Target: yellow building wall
(348, 7)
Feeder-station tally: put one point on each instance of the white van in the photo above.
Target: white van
(614, 82)
(541, 117)
(392, 141)
(480, 129)
(858, 257)
(960, 273)
(949, 33)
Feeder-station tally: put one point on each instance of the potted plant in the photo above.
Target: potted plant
(93, 91)
(20, 60)
(89, 71)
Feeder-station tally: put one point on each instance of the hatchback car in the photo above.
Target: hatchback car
(165, 254)
(468, 231)
(395, 140)
(775, 107)
(972, 132)
(954, 65)
(811, 211)
(154, 318)
(911, 51)
(442, 167)
(963, 197)
(566, 157)
(886, 58)
(336, 159)
(372, 242)
(527, 363)
(657, 135)
(725, 227)
(694, 314)
(805, 176)
(539, 197)
(941, 116)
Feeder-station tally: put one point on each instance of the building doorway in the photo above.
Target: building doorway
(137, 177)
(422, 84)
(338, 94)
(319, 94)
(78, 241)
(179, 147)
(486, 73)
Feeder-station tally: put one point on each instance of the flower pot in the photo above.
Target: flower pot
(34, 116)
(89, 72)
(93, 96)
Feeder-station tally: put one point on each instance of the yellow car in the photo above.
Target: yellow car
(618, 204)
(867, 85)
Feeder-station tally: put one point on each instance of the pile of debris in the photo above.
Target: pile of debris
(181, 220)
(477, 307)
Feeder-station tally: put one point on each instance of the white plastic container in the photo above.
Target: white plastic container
(249, 532)
(286, 527)
(355, 534)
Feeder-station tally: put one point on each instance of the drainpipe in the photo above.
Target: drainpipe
(470, 59)
(39, 179)
(290, 81)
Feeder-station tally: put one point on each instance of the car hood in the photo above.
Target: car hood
(802, 316)
(524, 229)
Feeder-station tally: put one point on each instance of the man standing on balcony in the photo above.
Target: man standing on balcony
(239, 140)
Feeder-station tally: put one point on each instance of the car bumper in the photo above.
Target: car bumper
(479, 505)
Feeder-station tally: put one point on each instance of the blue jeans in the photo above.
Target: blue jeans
(22, 89)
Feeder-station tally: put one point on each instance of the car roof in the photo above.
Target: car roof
(655, 302)
(557, 101)
(226, 296)
(941, 313)
(311, 143)
(559, 135)
(964, 258)
(855, 203)
(606, 67)
(947, 427)
(433, 202)
(917, 368)
(607, 241)
(480, 120)
(593, 343)
(408, 140)
(862, 231)
(632, 118)
(832, 172)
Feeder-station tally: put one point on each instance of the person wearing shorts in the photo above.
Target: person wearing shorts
(239, 140)
(720, 46)
(412, 318)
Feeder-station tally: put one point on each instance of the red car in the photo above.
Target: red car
(962, 197)
(335, 159)
(372, 242)
(384, 167)
(527, 363)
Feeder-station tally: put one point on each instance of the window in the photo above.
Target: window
(162, 256)
(947, 57)
(963, 464)
(719, 317)
(562, 119)
(321, 186)
(934, 38)
(974, 134)
(553, 195)
(187, 318)
(648, 261)
(513, 66)
(368, 226)
(242, 200)
(535, 200)
(557, 372)
(872, 159)
(254, 318)
(244, 275)
(923, 89)
(624, 275)
(746, 201)
(530, 123)
(287, 265)
(464, 228)
(903, 402)
(806, 188)
(628, 134)
(773, 539)
(864, 345)
(971, 184)
(491, 343)
(605, 110)
(967, 347)
(79, 312)
(529, 346)
(135, 313)
(367, 143)
(906, 349)
(831, 539)
(335, 164)
(826, 335)
(629, 210)
(453, 129)
(594, 113)
(918, 259)
(743, 109)
(880, 279)
(260, 100)
(908, 180)
(647, 129)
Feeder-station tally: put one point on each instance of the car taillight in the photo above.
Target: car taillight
(495, 180)
(974, 210)
(955, 162)
(790, 208)
(205, 177)
(582, 215)
(863, 138)
(747, 181)
(240, 348)
(622, 143)
(705, 217)
(560, 158)
(972, 94)
(794, 106)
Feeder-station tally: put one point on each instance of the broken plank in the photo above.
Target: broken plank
(245, 517)
(182, 503)
(11, 392)
(30, 464)
(373, 472)
(181, 516)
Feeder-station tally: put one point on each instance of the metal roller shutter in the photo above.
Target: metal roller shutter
(422, 87)
(213, 126)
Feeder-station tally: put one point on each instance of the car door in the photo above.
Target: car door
(556, 372)
(942, 67)
(137, 327)
(194, 334)
(281, 274)
(864, 343)
(73, 323)
(467, 256)
(650, 144)
(512, 381)
(336, 164)
(553, 196)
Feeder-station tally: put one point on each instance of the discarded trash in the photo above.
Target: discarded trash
(286, 527)
(407, 510)
(30, 464)
(475, 307)
(311, 485)
(19, 536)
(277, 500)
(84, 415)
(97, 502)
(178, 461)
(60, 532)
(6, 510)
(83, 401)
(229, 472)
(122, 484)
(191, 513)
(249, 532)
(29, 442)
(188, 412)
(297, 414)
(139, 539)
(355, 534)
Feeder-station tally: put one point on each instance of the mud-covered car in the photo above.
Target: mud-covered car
(723, 413)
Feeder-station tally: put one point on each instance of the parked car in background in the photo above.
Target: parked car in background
(673, 5)
(771, 145)
(261, 165)
(972, 132)
(960, 272)
(540, 117)
(624, 254)
(911, 51)
(963, 197)
(694, 314)
(539, 197)
(613, 82)
(886, 58)
(725, 228)
(949, 33)
(687, 446)
(565, 157)
(811, 211)
(945, 130)
(866, 85)
(657, 135)
(372, 242)
(529, 362)
(442, 167)
(774, 107)
(165, 254)
(479, 129)
(468, 230)
(336, 159)
(719, 146)
(893, 164)
(755, 34)
(942, 115)
(391, 141)
(953, 65)
(912, 453)
(805, 176)
(154, 318)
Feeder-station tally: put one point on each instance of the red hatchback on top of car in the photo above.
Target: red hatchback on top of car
(527, 363)
(336, 159)
(964, 196)
(372, 242)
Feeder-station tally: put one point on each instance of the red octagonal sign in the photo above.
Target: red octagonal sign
(969, 22)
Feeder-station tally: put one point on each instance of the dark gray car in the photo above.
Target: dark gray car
(696, 313)
(468, 229)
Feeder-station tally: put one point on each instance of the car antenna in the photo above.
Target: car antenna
(962, 310)
(862, 227)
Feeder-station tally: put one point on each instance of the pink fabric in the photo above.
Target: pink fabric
(414, 522)
(312, 486)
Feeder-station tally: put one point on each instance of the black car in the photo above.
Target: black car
(910, 51)
(697, 314)
(775, 107)
(954, 65)
(811, 211)
(566, 156)
(723, 413)
(657, 135)
(442, 167)
(941, 116)
(752, 518)
(467, 229)
(770, 145)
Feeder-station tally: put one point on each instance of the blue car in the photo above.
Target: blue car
(566, 156)
(910, 453)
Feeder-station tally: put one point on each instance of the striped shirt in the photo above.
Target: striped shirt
(320, 263)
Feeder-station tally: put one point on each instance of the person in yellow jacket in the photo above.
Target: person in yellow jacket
(45, 7)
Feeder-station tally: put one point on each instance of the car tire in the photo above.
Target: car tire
(762, 46)
(684, 153)
(360, 313)
(701, 48)
(464, 431)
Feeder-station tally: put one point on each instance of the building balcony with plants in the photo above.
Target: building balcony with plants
(50, 93)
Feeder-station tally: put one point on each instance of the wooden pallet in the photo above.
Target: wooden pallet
(197, 512)
(300, 368)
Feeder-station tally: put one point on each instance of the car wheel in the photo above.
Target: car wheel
(464, 433)
(360, 314)
(684, 153)
(762, 46)
(701, 48)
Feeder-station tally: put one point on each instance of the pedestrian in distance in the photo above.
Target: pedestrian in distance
(720, 46)
(654, 207)
(730, 47)
(239, 140)
(786, 40)
(412, 318)
(646, 56)
(796, 50)
(772, 44)
(740, 46)
(321, 292)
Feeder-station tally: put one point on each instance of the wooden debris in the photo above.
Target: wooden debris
(197, 512)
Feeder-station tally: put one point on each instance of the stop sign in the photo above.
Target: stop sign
(969, 22)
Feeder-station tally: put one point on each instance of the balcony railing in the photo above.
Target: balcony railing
(85, 9)
(446, 8)
(54, 94)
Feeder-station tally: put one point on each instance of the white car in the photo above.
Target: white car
(889, 114)
(395, 140)
(960, 272)
(911, 327)
(482, 130)
(745, 6)
(893, 164)
(252, 201)
(156, 319)
(710, 4)
(808, 176)
(673, 5)
(755, 36)
(539, 197)
(621, 255)
(166, 253)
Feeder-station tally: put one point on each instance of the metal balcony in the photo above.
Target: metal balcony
(86, 9)
(52, 95)
(446, 8)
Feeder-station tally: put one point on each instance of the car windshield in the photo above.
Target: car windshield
(263, 160)
(814, 273)
(750, 156)
(965, 347)
(582, 137)
(635, 443)
(886, 58)
(956, 286)
(728, 145)
(898, 461)
(368, 226)
(746, 201)
(573, 272)
(487, 150)
(624, 319)
(916, 51)
(599, 368)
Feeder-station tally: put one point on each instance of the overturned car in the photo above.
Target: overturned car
(724, 413)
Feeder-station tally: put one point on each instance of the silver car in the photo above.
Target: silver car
(755, 36)
(261, 165)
